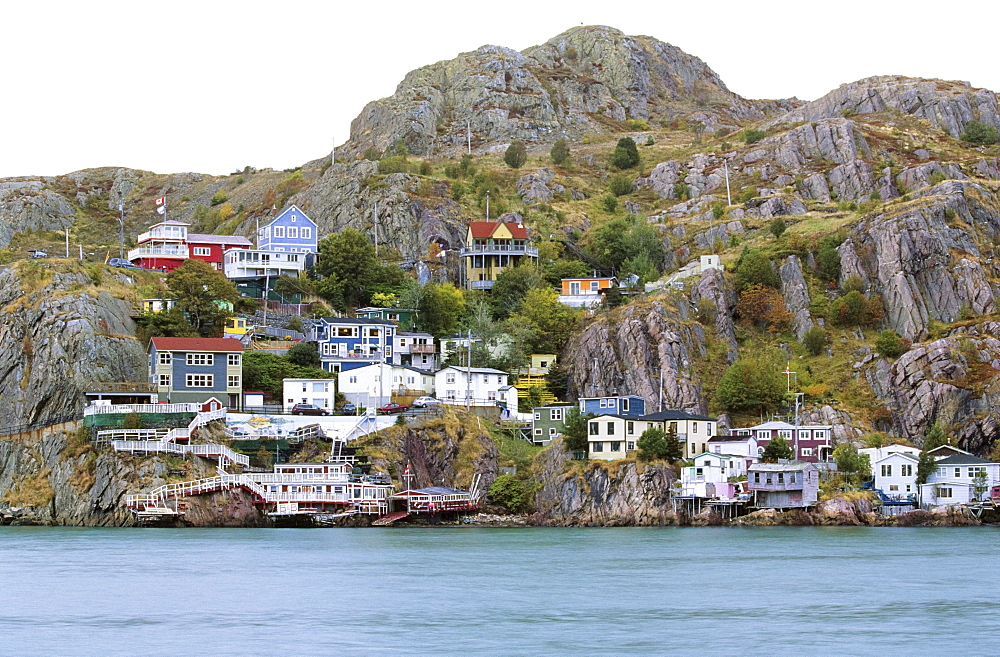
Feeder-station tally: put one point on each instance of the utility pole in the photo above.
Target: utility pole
(67, 242)
(729, 196)
(121, 211)
(487, 205)
(468, 380)
(468, 134)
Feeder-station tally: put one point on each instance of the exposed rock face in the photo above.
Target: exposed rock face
(922, 260)
(607, 494)
(953, 381)
(947, 105)
(58, 333)
(29, 205)
(834, 140)
(640, 349)
(712, 287)
(796, 294)
(538, 188)
(549, 91)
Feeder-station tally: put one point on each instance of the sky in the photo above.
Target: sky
(214, 86)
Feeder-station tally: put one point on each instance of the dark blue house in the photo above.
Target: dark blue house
(291, 230)
(192, 370)
(624, 405)
(346, 343)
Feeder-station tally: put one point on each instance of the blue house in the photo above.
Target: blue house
(192, 370)
(291, 230)
(624, 405)
(346, 343)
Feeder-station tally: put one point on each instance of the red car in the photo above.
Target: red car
(392, 407)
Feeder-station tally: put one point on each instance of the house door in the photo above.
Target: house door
(574, 288)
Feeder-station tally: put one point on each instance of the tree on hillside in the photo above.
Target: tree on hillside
(754, 268)
(764, 307)
(778, 448)
(980, 133)
(560, 152)
(855, 467)
(441, 306)
(304, 354)
(625, 155)
(752, 384)
(553, 322)
(516, 154)
(349, 272)
(511, 286)
(267, 372)
(575, 430)
(204, 294)
(622, 239)
(657, 444)
(927, 464)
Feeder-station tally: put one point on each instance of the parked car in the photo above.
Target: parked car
(35, 253)
(392, 407)
(123, 263)
(424, 402)
(308, 409)
(348, 409)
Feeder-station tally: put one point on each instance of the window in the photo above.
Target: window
(491, 395)
(604, 403)
(886, 470)
(165, 380)
(556, 414)
(347, 332)
(611, 428)
(944, 492)
(199, 380)
(594, 429)
(594, 286)
(294, 218)
(624, 405)
(806, 451)
(616, 446)
(233, 381)
(305, 233)
(781, 477)
(756, 477)
(978, 470)
(552, 431)
(164, 358)
(630, 428)
(598, 446)
(785, 433)
(538, 432)
(629, 446)
(893, 487)
(449, 377)
(819, 435)
(279, 231)
(694, 427)
(906, 470)
(234, 360)
(201, 251)
(538, 415)
(293, 232)
(321, 387)
(791, 478)
(958, 472)
(201, 359)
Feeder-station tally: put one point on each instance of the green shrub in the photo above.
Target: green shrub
(777, 227)
(980, 133)
(854, 309)
(754, 268)
(509, 492)
(828, 258)
(610, 203)
(814, 340)
(219, 197)
(682, 191)
(890, 344)
(560, 152)
(621, 185)
(657, 444)
(752, 384)
(649, 140)
(626, 154)
(752, 136)
(718, 209)
(746, 195)
(132, 421)
(516, 154)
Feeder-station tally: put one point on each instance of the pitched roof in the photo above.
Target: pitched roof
(484, 229)
(675, 415)
(963, 459)
(357, 320)
(474, 370)
(730, 439)
(781, 467)
(905, 455)
(196, 344)
(777, 424)
(218, 239)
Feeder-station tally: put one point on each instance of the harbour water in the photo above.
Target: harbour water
(467, 591)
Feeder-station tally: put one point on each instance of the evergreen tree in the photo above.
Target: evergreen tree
(560, 152)
(626, 154)
(778, 448)
(516, 154)
(574, 430)
(204, 294)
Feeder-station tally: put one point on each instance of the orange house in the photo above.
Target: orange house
(585, 292)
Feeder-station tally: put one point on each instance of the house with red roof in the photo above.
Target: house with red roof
(192, 370)
(491, 247)
(168, 244)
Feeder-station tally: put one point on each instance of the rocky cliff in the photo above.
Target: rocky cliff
(573, 84)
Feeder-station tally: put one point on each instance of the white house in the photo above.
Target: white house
(478, 386)
(876, 454)
(318, 392)
(368, 386)
(955, 480)
(896, 474)
(709, 475)
(744, 446)
(406, 379)
(694, 431)
(611, 437)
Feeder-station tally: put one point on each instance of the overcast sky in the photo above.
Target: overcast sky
(213, 86)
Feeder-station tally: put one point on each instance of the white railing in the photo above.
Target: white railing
(500, 248)
(158, 252)
(110, 409)
(131, 434)
(155, 446)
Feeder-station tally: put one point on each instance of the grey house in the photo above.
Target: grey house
(187, 370)
(783, 485)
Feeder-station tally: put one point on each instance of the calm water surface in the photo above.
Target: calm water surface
(705, 591)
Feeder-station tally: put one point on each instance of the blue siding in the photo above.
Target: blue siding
(291, 218)
(613, 405)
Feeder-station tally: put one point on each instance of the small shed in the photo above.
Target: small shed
(784, 485)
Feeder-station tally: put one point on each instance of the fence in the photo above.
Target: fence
(22, 428)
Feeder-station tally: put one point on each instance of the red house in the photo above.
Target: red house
(168, 244)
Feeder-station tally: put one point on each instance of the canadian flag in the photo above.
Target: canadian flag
(161, 200)
(407, 470)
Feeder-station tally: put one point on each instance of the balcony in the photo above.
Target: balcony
(169, 234)
(167, 251)
(423, 349)
(481, 285)
(499, 249)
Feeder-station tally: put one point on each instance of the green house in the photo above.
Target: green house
(547, 422)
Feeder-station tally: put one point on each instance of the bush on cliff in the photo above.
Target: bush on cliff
(752, 384)
(655, 443)
(509, 492)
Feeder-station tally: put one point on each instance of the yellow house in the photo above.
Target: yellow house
(534, 375)
(235, 326)
(492, 246)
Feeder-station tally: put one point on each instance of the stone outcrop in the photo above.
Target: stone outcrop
(947, 105)
(641, 349)
(29, 205)
(796, 295)
(562, 88)
(59, 332)
(613, 493)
